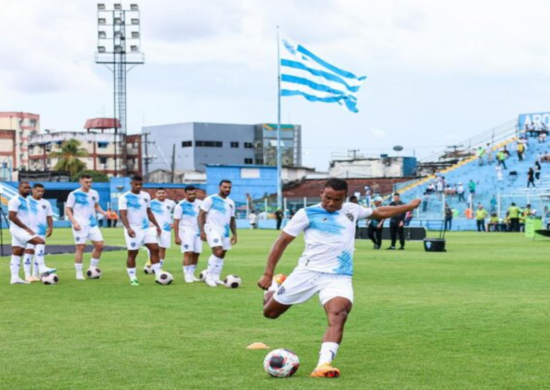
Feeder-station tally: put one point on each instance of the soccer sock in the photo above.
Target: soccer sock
(35, 269)
(78, 268)
(131, 273)
(39, 251)
(14, 266)
(94, 263)
(156, 269)
(211, 266)
(186, 270)
(148, 264)
(328, 353)
(219, 267)
(192, 269)
(27, 264)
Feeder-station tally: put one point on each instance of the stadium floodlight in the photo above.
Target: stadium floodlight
(119, 54)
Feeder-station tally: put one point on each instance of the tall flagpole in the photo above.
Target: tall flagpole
(279, 181)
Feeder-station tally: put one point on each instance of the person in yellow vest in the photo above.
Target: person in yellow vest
(481, 214)
(513, 214)
(493, 223)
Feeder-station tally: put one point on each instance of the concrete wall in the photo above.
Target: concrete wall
(258, 187)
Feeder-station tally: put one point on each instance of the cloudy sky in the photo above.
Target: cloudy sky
(439, 71)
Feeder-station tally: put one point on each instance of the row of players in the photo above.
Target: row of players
(147, 223)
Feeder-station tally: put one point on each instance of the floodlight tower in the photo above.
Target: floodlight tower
(119, 49)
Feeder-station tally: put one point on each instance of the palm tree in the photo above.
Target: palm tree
(68, 157)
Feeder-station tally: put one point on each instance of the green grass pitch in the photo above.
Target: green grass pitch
(476, 317)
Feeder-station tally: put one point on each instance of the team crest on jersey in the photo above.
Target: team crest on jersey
(350, 216)
(133, 244)
(186, 246)
(93, 198)
(216, 240)
(44, 206)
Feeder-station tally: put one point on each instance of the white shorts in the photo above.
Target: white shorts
(143, 236)
(214, 239)
(91, 233)
(190, 242)
(31, 246)
(165, 239)
(302, 284)
(20, 237)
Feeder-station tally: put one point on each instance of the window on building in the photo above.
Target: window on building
(249, 145)
(102, 145)
(249, 161)
(103, 160)
(209, 144)
(234, 144)
(187, 144)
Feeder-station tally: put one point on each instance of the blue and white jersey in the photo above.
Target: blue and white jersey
(329, 237)
(21, 206)
(187, 213)
(83, 205)
(220, 211)
(136, 206)
(163, 213)
(40, 211)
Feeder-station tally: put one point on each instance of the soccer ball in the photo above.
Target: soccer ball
(232, 281)
(50, 279)
(93, 273)
(281, 363)
(165, 278)
(202, 275)
(148, 270)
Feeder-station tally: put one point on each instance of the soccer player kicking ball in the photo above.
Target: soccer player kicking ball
(41, 224)
(163, 208)
(81, 208)
(188, 233)
(326, 265)
(20, 216)
(137, 217)
(216, 219)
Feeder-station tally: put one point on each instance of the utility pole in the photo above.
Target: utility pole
(173, 163)
(354, 152)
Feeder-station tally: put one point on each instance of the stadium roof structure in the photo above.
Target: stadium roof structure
(102, 124)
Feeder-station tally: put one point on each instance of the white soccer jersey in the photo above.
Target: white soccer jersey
(136, 205)
(329, 237)
(83, 205)
(220, 211)
(163, 213)
(187, 212)
(40, 210)
(21, 206)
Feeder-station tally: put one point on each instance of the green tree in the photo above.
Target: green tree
(68, 156)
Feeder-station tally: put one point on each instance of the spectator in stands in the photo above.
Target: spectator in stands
(545, 157)
(425, 201)
(530, 177)
(489, 153)
(520, 148)
(460, 192)
(494, 204)
(439, 187)
(112, 218)
(513, 215)
(375, 227)
(493, 224)
(480, 153)
(538, 168)
(481, 214)
(501, 158)
(506, 152)
(279, 218)
(397, 225)
(431, 188)
(500, 175)
(448, 217)
(472, 188)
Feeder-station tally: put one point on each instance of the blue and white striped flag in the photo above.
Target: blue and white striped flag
(305, 74)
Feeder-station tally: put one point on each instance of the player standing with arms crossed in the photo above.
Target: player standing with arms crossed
(20, 216)
(41, 224)
(188, 235)
(326, 265)
(163, 208)
(216, 220)
(81, 209)
(137, 217)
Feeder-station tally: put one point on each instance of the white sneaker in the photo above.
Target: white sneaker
(188, 279)
(47, 271)
(195, 279)
(211, 282)
(18, 281)
(80, 276)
